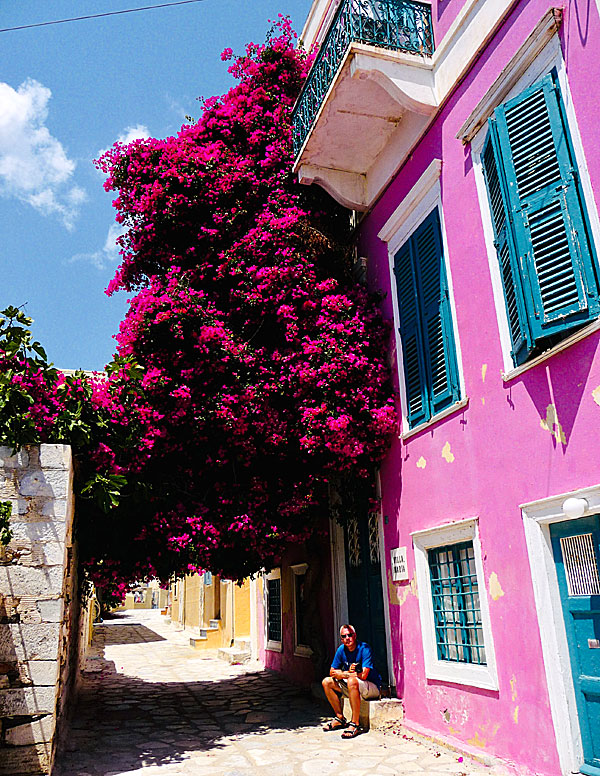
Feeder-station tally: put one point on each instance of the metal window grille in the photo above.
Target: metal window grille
(456, 606)
(274, 609)
(581, 566)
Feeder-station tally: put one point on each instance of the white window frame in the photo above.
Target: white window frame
(537, 518)
(519, 74)
(273, 646)
(300, 650)
(420, 201)
(472, 675)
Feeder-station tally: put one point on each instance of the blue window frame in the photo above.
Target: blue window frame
(429, 353)
(456, 606)
(541, 229)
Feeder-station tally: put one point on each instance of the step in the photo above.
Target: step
(374, 715)
(214, 623)
(233, 655)
(205, 631)
(243, 643)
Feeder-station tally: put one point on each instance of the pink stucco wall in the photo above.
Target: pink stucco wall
(503, 455)
(300, 669)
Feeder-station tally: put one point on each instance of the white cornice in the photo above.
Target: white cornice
(411, 201)
(544, 30)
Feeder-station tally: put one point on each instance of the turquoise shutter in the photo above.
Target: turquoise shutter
(558, 274)
(426, 332)
(434, 301)
(410, 334)
(503, 240)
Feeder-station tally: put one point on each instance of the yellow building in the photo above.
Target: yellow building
(217, 613)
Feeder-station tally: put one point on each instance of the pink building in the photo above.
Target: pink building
(463, 133)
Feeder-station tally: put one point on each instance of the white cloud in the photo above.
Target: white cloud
(33, 164)
(129, 134)
(108, 255)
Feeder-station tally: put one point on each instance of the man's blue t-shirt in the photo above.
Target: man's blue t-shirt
(343, 659)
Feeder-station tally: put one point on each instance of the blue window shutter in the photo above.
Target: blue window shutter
(410, 333)
(542, 195)
(503, 240)
(434, 300)
(426, 331)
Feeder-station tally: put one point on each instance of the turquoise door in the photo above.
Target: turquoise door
(576, 548)
(365, 591)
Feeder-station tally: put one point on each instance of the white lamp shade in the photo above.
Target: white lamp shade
(575, 507)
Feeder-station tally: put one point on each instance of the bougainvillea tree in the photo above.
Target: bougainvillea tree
(263, 365)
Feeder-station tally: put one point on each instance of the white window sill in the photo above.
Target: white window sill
(566, 343)
(460, 673)
(274, 646)
(459, 405)
(302, 651)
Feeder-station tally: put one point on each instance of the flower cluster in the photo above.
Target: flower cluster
(262, 380)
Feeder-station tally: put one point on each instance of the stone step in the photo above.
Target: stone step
(374, 715)
(242, 643)
(214, 623)
(233, 655)
(204, 632)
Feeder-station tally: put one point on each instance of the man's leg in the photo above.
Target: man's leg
(354, 696)
(334, 696)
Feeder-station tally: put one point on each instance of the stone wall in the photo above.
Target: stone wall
(39, 610)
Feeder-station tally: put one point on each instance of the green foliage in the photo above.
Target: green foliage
(5, 513)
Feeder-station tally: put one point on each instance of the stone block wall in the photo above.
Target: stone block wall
(39, 610)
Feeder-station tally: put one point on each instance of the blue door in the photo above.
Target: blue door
(576, 548)
(365, 591)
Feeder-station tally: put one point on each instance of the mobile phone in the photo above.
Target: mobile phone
(358, 668)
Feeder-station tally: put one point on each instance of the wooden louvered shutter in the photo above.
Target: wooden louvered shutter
(504, 241)
(440, 352)
(410, 333)
(428, 348)
(550, 229)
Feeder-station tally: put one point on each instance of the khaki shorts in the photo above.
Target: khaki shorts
(368, 690)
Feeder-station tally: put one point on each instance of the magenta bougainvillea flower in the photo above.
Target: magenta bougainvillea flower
(264, 379)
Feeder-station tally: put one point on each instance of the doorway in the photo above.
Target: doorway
(364, 586)
(576, 551)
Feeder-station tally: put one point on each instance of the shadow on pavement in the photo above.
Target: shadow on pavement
(124, 723)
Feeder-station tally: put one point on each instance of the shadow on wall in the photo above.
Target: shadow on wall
(559, 387)
(123, 723)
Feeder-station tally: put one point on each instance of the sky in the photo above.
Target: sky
(69, 91)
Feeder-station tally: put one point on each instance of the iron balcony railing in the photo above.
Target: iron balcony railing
(401, 25)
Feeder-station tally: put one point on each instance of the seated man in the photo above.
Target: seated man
(353, 675)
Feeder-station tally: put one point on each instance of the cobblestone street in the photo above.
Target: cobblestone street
(152, 705)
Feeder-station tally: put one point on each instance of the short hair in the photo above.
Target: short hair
(348, 627)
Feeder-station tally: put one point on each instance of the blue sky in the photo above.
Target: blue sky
(67, 91)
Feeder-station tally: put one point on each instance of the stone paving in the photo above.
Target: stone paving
(152, 705)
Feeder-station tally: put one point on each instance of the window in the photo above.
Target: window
(273, 610)
(542, 234)
(456, 608)
(455, 620)
(301, 638)
(426, 331)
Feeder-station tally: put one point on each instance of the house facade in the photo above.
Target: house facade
(463, 133)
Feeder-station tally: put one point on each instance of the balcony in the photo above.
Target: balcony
(370, 84)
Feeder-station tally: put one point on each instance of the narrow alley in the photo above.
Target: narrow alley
(151, 705)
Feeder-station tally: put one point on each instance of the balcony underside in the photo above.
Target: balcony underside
(374, 111)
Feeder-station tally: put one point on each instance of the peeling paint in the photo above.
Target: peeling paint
(551, 424)
(421, 463)
(447, 453)
(483, 371)
(495, 587)
(516, 715)
(483, 400)
(477, 741)
(596, 394)
(513, 687)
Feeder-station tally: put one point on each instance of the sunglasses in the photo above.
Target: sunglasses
(347, 635)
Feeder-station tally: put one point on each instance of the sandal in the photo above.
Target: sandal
(353, 730)
(337, 723)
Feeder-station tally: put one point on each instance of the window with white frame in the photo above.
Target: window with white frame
(538, 208)
(457, 637)
(273, 610)
(423, 304)
(301, 606)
